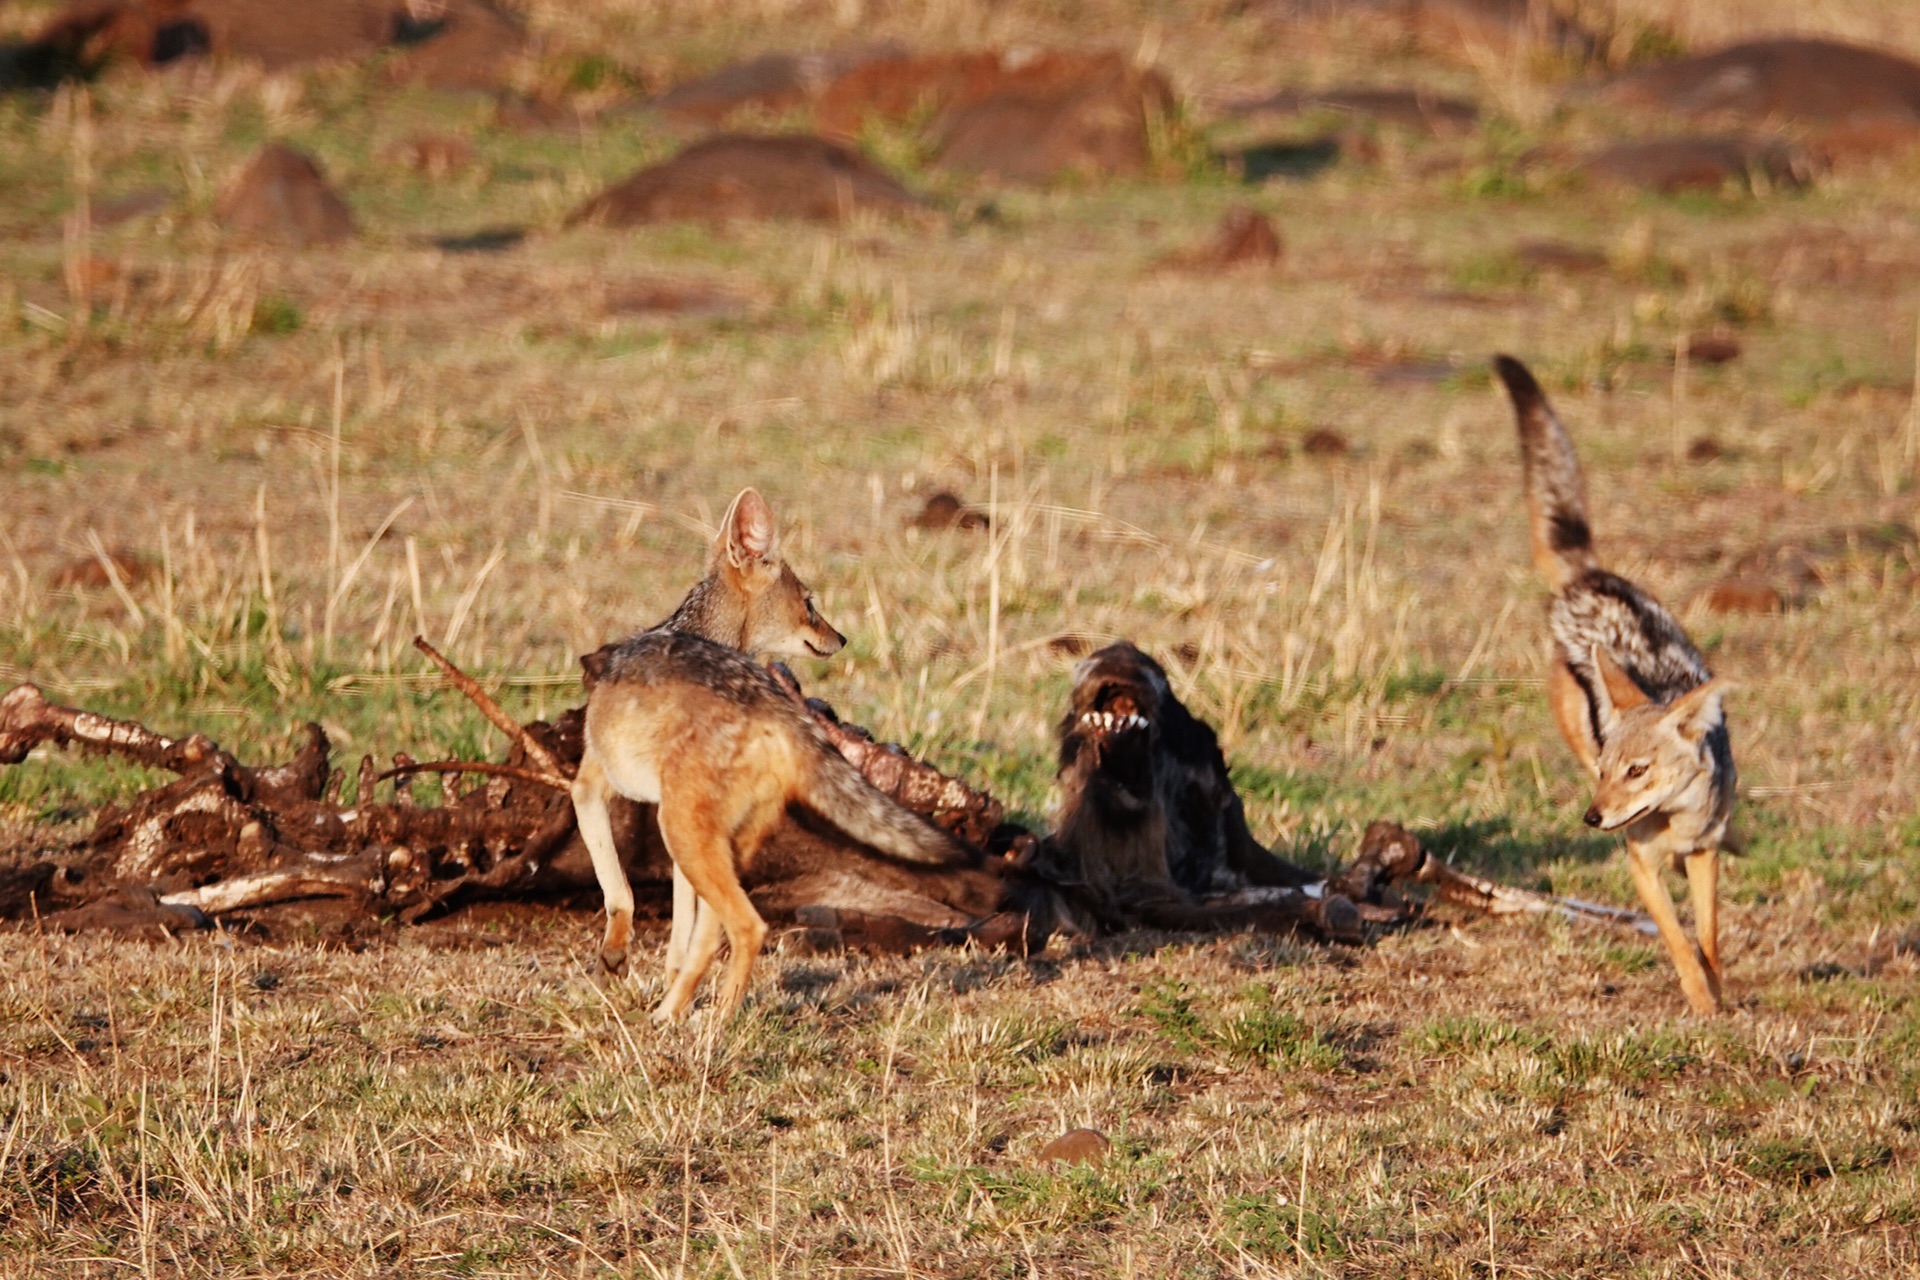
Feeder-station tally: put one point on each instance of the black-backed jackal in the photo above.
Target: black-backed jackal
(681, 717)
(1633, 698)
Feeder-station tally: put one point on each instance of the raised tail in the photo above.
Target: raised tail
(842, 795)
(1556, 491)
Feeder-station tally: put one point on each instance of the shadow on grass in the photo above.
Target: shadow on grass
(1491, 848)
(1295, 159)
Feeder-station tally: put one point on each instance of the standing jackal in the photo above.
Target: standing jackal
(1633, 698)
(681, 717)
(750, 600)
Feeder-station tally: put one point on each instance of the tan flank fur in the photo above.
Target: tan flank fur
(1632, 697)
(680, 716)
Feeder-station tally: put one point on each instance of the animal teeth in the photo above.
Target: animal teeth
(1108, 721)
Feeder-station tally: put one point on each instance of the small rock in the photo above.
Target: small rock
(1325, 442)
(1712, 348)
(1743, 595)
(944, 510)
(1246, 237)
(266, 980)
(1076, 1146)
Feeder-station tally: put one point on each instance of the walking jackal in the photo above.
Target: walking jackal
(1633, 698)
(681, 717)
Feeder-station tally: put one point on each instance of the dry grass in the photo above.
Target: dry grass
(296, 461)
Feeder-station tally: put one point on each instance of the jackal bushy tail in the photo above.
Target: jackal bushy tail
(842, 795)
(1556, 489)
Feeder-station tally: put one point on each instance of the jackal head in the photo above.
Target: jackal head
(1656, 758)
(777, 612)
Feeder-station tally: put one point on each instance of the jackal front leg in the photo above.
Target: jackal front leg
(1701, 993)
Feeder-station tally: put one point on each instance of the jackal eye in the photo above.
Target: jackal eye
(1636, 770)
(812, 615)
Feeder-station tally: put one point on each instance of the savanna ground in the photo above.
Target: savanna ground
(1488, 1098)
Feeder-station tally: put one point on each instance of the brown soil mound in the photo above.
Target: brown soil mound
(472, 46)
(284, 35)
(772, 82)
(896, 89)
(1805, 81)
(84, 36)
(282, 196)
(468, 45)
(1057, 114)
(739, 175)
(1669, 165)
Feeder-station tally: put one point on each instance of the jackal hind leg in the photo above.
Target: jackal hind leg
(1571, 711)
(1700, 992)
(701, 949)
(705, 852)
(590, 789)
(1703, 879)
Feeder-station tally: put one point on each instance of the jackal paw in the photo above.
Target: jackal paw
(612, 966)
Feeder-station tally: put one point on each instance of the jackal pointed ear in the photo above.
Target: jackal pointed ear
(1699, 710)
(748, 535)
(1616, 692)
